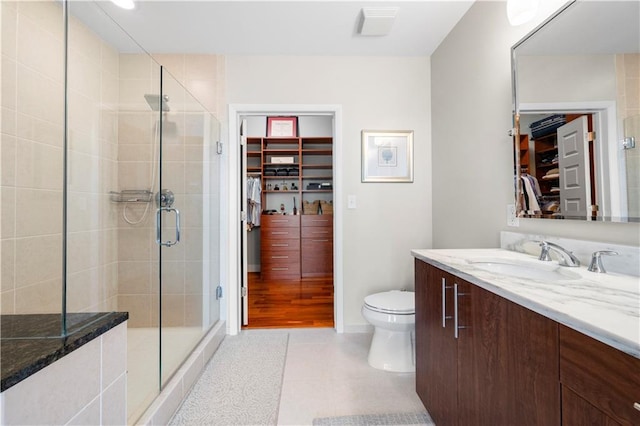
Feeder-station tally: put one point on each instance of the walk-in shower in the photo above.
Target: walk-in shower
(93, 129)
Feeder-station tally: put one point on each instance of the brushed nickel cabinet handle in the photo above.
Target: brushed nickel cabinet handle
(279, 245)
(279, 257)
(279, 232)
(636, 405)
(320, 232)
(320, 241)
(279, 269)
(279, 221)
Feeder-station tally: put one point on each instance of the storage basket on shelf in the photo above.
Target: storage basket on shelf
(326, 207)
(310, 207)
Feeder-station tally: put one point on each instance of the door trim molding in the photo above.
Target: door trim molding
(231, 218)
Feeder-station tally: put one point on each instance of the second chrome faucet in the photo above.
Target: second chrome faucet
(566, 257)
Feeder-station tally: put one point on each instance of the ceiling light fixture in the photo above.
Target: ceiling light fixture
(521, 11)
(377, 21)
(125, 4)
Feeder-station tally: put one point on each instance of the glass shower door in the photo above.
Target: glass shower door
(187, 218)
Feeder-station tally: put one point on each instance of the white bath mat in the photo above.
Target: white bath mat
(241, 384)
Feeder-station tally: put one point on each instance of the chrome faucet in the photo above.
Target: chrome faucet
(566, 257)
(596, 260)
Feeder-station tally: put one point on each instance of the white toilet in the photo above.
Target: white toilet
(393, 314)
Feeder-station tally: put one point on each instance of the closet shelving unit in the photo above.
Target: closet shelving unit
(298, 246)
(312, 158)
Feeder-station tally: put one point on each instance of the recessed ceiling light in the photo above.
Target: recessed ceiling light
(125, 4)
(377, 21)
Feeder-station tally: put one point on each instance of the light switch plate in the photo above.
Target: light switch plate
(351, 202)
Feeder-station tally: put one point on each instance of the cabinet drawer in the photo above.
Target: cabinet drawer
(317, 233)
(316, 246)
(317, 220)
(604, 376)
(280, 233)
(284, 256)
(273, 268)
(268, 221)
(269, 244)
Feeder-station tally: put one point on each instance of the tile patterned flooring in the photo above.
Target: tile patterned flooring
(326, 374)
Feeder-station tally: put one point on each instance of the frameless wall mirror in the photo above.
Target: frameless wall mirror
(576, 92)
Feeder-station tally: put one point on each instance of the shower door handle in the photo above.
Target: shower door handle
(159, 230)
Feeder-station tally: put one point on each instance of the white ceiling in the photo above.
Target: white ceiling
(274, 27)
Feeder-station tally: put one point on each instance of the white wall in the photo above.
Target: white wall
(576, 78)
(377, 93)
(471, 113)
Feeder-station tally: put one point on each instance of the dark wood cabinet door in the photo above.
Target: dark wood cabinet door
(533, 370)
(578, 412)
(436, 350)
(606, 377)
(483, 380)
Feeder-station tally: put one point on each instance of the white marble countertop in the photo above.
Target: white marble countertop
(603, 306)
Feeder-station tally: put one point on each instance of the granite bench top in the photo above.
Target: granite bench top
(30, 342)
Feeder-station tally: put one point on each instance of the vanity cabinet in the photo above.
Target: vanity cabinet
(600, 384)
(481, 359)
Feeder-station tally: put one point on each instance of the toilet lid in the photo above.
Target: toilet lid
(394, 301)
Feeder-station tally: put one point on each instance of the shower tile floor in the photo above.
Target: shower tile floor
(143, 362)
(326, 374)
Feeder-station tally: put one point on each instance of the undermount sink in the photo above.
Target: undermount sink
(539, 272)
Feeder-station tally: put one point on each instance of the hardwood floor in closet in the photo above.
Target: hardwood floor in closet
(307, 302)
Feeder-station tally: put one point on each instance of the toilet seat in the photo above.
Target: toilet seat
(394, 302)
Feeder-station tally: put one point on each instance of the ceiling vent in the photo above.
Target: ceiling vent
(377, 21)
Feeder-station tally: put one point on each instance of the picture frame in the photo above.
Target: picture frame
(286, 127)
(387, 156)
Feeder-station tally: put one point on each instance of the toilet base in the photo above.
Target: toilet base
(392, 351)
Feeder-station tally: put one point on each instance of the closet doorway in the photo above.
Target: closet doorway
(287, 231)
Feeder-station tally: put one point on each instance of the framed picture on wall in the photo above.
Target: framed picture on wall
(282, 127)
(387, 156)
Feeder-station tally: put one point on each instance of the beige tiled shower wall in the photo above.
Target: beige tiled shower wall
(32, 162)
(628, 79)
(182, 173)
(111, 263)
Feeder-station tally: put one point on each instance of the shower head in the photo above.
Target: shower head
(154, 102)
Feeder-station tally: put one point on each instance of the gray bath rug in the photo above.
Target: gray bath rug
(241, 384)
(376, 419)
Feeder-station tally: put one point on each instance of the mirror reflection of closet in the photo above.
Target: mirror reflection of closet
(567, 68)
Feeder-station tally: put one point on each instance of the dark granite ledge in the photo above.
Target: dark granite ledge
(29, 343)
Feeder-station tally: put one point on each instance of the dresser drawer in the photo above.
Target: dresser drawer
(269, 245)
(280, 233)
(317, 233)
(604, 376)
(280, 266)
(268, 221)
(313, 220)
